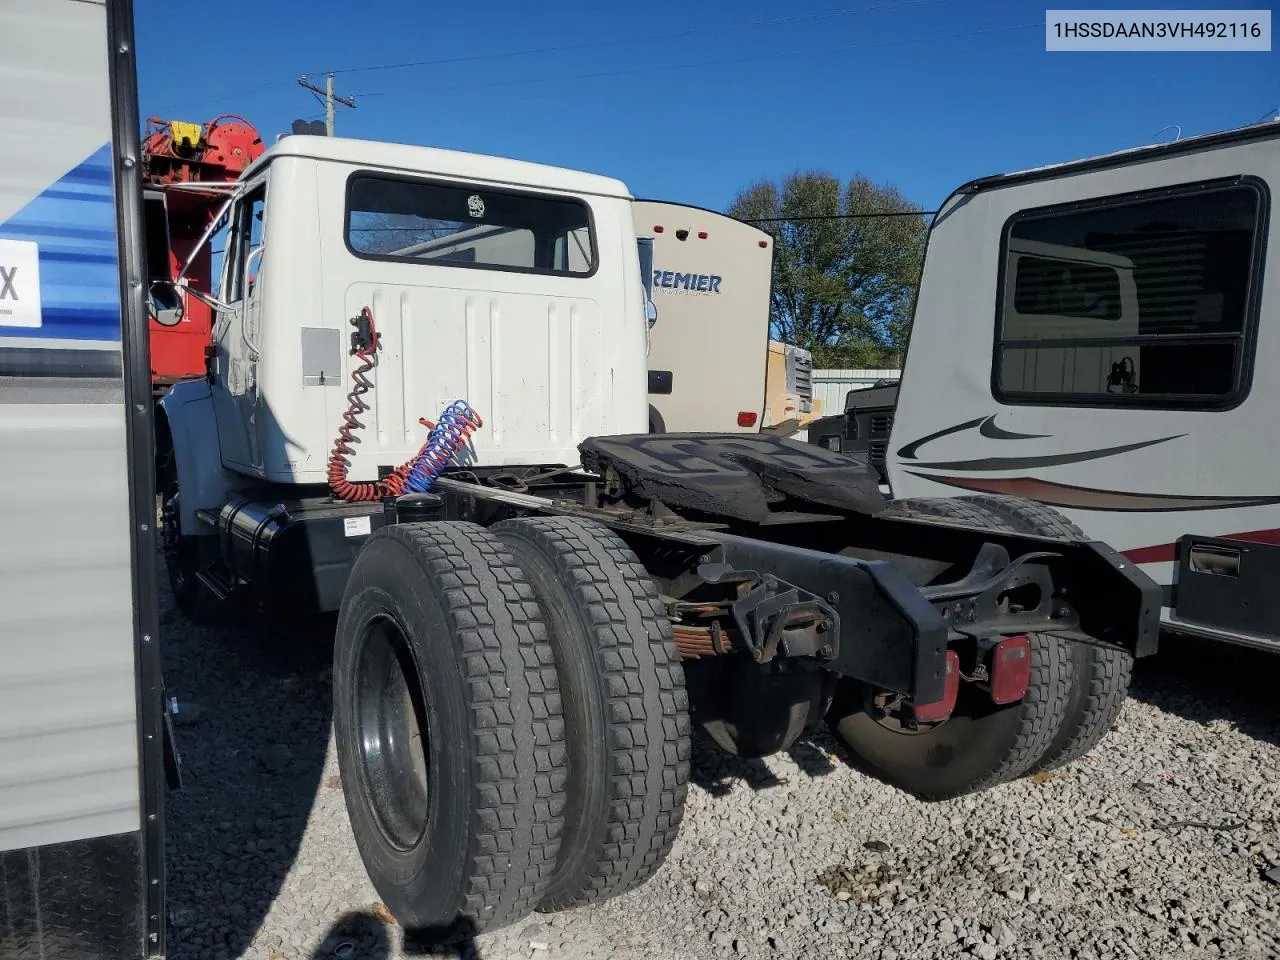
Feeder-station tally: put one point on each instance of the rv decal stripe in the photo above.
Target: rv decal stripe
(992, 432)
(1088, 498)
(987, 428)
(909, 451)
(74, 257)
(1163, 553)
(1049, 460)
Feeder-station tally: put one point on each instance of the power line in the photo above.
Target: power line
(755, 58)
(841, 216)
(329, 98)
(226, 97)
(618, 41)
(710, 82)
(603, 42)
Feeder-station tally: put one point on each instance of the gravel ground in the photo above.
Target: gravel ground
(797, 856)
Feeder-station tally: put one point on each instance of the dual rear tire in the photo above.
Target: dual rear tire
(1100, 674)
(513, 725)
(626, 711)
(511, 720)
(1076, 691)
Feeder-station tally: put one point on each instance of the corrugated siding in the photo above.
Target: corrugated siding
(831, 386)
(68, 742)
(68, 727)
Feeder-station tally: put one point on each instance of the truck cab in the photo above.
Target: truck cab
(489, 278)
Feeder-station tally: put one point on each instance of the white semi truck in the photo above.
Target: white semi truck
(426, 411)
(537, 596)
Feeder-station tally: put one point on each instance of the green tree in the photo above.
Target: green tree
(842, 288)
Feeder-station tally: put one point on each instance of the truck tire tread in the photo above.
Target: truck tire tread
(1028, 516)
(999, 748)
(958, 509)
(642, 705)
(515, 750)
(525, 653)
(1103, 674)
(1048, 695)
(1041, 713)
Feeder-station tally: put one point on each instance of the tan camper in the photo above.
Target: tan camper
(709, 280)
(789, 406)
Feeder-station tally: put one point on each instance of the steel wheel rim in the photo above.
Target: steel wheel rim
(893, 724)
(392, 734)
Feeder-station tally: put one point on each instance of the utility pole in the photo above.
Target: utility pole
(328, 106)
(329, 99)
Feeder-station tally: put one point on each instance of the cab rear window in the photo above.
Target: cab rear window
(420, 221)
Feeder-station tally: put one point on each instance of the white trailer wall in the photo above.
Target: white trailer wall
(79, 826)
(830, 386)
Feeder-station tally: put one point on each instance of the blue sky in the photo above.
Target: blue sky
(694, 101)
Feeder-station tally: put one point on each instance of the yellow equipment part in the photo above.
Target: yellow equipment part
(784, 411)
(186, 136)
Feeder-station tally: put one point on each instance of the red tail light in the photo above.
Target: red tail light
(1010, 669)
(764, 243)
(746, 418)
(657, 228)
(702, 234)
(941, 709)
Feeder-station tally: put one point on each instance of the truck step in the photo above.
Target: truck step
(219, 585)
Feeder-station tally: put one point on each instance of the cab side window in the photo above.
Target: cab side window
(245, 238)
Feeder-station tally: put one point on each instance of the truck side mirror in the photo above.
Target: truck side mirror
(164, 303)
(650, 311)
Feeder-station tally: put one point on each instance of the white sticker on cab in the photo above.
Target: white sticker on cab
(356, 526)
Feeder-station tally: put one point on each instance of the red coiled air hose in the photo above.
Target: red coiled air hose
(343, 488)
(445, 439)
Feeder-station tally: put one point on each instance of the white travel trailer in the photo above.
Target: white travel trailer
(82, 731)
(1111, 350)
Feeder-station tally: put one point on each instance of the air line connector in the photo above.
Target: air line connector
(363, 337)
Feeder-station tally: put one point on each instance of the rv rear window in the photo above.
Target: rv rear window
(391, 218)
(1130, 300)
(1052, 287)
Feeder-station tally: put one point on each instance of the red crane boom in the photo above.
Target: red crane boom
(176, 152)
